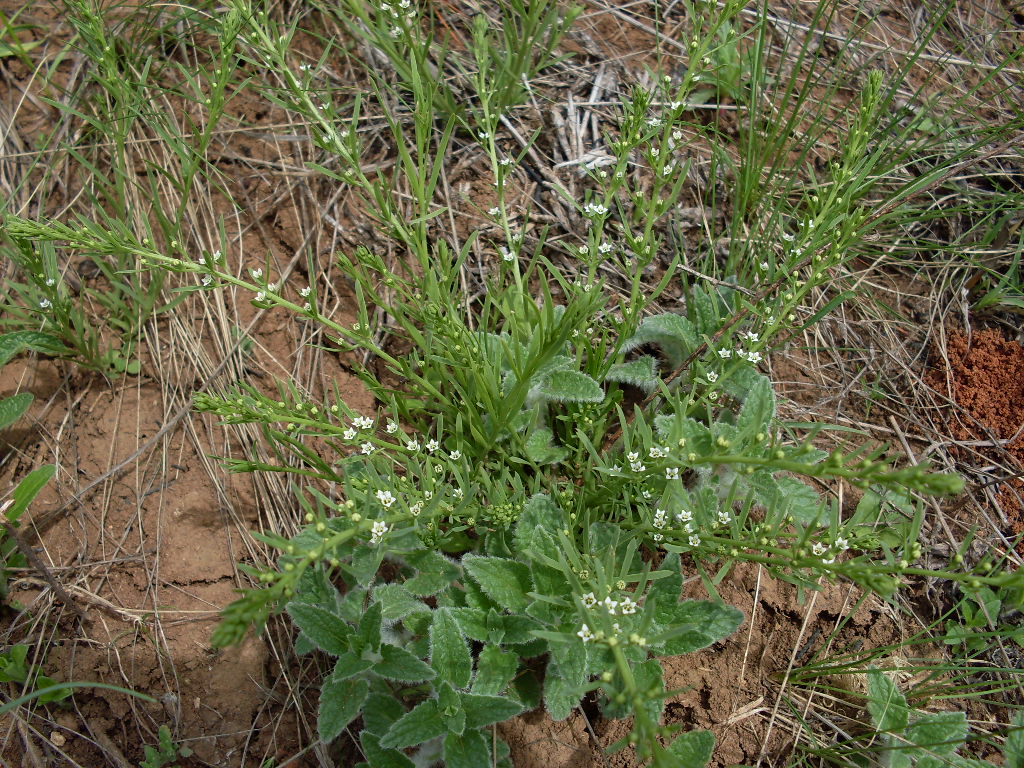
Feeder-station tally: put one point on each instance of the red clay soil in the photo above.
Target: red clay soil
(983, 374)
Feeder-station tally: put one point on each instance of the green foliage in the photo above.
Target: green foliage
(908, 738)
(165, 753)
(15, 668)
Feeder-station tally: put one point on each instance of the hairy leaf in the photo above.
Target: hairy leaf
(340, 702)
(505, 581)
(399, 664)
(324, 629)
(420, 724)
(449, 654)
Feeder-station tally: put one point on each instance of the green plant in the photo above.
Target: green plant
(905, 737)
(14, 668)
(165, 753)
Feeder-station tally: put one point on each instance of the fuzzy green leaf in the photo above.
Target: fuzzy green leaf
(434, 572)
(484, 710)
(570, 387)
(466, 750)
(13, 408)
(380, 757)
(540, 448)
(28, 489)
(340, 702)
(494, 670)
(13, 343)
(674, 334)
(367, 637)
(420, 724)
(693, 749)
(349, 665)
(324, 629)
(472, 622)
(703, 623)
(504, 581)
(940, 733)
(539, 515)
(399, 664)
(449, 654)
(565, 678)
(887, 706)
(397, 602)
(449, 704)
(641, 373)
(758, 407)
(380, 712)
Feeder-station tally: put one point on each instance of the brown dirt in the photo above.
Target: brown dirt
(982, 374)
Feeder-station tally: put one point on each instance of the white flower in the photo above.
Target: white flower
(828, 560)
(505, 162)
(694, 540)
(611, 605)
(506, 255)
(606, 248)
(395, 32)
(413, 445)
(256, 273)
(725, 354)
(585, 634)
(723, 517)
(306, 307)
(645, 493)
(494, 211)
(378, 531)
(632, 456)
(594, 209)
(45, 304)
(272, 287)
(50, 282)
(362, 422)
(304, 292)
(349, 434)
(584, 249)
(751, 337)
(637, 466)
(671, 473)
(458, 493)
(658, 536)
(616, 628)
(764, 266)
(589, 600)
(386, 498)
(684, 516)
(712, 377)
(428, 495)
(842, 544)
(432, 445)
(261, 296)
(657, 452)
(660, 518)
(455, 455)
(628, 606)
(366, 448)
(207, 280)
(391, 427)
(787, 237)
(216, 255)
(818, 548)
(416, 508)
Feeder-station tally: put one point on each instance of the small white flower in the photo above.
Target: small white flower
(584, 249)
(842, 544)
(395, 32)
(494, 211)
(585, 634)
(684, 516)
(658, 536)
(671, 473)
(723, 517)
(272, 287)
(506, 255)
(818, 548)
(637, 466)
(207, 280)
(386, 498)
(589, 600)
(50, 282)
(432, 445)
(725, 354)
(688, 528)
(595, 209)
(645, 493)
(750, 336)
(349, 434)
(754, 357)
(428, 495)
(307, 307)
(616, 628)
(828, 560)
(304, 292)
(787, 237)
(45, 304)
(366, 448)
(458, 493)
(216, 255)
(694, 540)
(378, 531)
(455, 455)
(660, 518)
(764, 266)
(632, 456)
(611, 605)
(657, 452)
(628, 606)
(261, 296)
(256, 273)
(416, 508)
(362, 422)
(413, 445)
(712, 377)
(505, 162)
(392, 427)
(606, 248)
